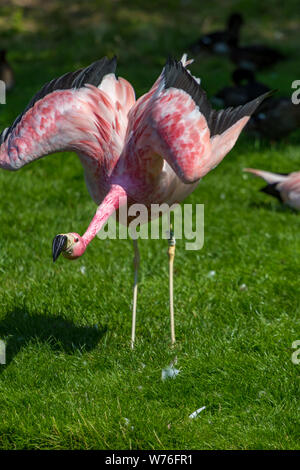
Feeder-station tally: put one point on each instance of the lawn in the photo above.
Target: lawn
(71, 380)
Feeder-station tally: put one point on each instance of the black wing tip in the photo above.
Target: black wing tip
(172, 66)
(103, 61)
(264, 96)
(92, 74)
(170, 61)
(172, 71)
(109, 62)
(271, 190)
(175, 75)
(249, 108)
(113, 63)
(220, 121)
(114, 60)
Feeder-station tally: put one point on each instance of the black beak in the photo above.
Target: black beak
(57, 245)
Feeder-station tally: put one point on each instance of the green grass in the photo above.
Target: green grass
(71, 379)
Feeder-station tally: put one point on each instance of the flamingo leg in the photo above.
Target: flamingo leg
(136, 262)
(171, 253)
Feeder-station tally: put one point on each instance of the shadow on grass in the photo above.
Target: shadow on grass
(19, 327)
(270, 206)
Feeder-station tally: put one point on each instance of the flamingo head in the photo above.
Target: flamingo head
(71, 245)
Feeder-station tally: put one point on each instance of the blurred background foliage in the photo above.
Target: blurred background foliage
(44, 37)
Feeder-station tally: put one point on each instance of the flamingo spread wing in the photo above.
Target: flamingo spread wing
(175, 120)
(85, 111)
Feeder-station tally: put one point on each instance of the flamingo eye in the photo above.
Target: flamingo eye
(76, 240)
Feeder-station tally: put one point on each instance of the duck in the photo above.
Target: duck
(6, 71)
(283, 186)
(245, 89)
(255, 56)
(275, 119)
(220, 42)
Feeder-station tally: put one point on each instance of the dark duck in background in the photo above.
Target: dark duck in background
(245, 88)
(6, 71)
(220, 42)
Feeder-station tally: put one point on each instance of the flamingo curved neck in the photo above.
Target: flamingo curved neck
(116, 197)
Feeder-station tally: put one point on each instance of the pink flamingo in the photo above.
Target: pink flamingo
(285, 187)
(153, 150)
